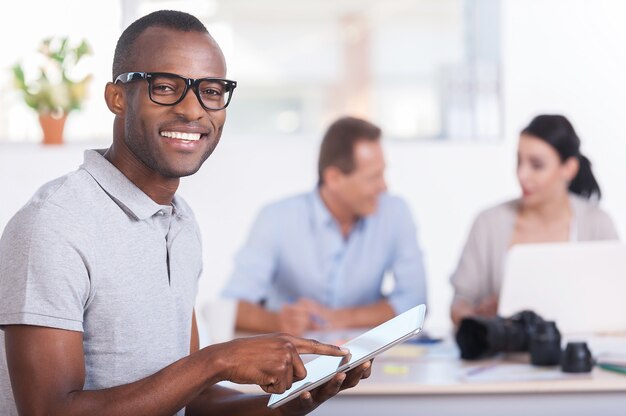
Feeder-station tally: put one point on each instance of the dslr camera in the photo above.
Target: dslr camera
(482, 337)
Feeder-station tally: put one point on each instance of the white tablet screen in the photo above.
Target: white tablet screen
(362, 348)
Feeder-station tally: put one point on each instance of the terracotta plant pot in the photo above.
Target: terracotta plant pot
(52, 127)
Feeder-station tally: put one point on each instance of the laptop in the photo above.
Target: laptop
(581, 286)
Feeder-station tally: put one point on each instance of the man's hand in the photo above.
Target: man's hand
(308, 401)
(269, 361)
(322, 317)
(316, 316)
(296, 318)
(306, 315)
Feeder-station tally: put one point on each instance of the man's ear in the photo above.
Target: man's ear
(332, 176)
(114, 97)
(571, 165)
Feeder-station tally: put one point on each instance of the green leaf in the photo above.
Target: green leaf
(31, 100)
(18, 75)
(82, 50)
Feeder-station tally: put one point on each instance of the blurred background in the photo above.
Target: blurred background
(451, 82)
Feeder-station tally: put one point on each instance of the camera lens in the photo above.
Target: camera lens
(481, 337)
(576, 358)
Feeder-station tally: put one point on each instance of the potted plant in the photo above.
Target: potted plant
(53, 92)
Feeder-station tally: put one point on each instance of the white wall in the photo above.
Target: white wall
(566, 56)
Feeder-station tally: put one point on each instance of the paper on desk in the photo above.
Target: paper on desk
(612, 358)
(498, 372)
(405, 351)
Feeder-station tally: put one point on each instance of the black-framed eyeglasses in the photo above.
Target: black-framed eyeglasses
(170, 89)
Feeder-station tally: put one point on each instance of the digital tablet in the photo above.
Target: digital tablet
(362, 348)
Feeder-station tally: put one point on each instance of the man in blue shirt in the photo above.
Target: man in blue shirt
(317, 260)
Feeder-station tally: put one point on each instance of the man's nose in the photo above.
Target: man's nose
(190, 107)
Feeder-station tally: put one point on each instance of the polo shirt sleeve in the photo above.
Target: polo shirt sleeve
(44, 278)
(408, 263)
(255, 263)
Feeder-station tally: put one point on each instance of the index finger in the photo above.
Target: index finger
(311, 346)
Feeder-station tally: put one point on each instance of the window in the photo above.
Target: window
(421, 69)
(425, 69)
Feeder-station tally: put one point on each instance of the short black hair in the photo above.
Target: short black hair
(337, 147)
(172, 19)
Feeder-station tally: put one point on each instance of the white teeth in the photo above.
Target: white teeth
(180, 135)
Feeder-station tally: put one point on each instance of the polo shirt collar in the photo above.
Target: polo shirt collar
(125, 193)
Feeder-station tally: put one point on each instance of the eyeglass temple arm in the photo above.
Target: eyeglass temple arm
(130, 76)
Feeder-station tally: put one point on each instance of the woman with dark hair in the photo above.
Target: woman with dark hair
(558, 204)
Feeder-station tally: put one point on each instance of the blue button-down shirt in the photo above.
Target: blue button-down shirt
(296, 249)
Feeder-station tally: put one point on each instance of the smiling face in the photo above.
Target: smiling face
(171, 141)
(540, 172)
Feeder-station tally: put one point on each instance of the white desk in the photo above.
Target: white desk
(431, 380)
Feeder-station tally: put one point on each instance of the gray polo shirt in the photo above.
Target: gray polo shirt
(91, 252)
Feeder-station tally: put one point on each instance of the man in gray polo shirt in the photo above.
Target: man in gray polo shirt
(98, 272)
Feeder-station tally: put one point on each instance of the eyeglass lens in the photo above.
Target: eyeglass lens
(168, 89)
